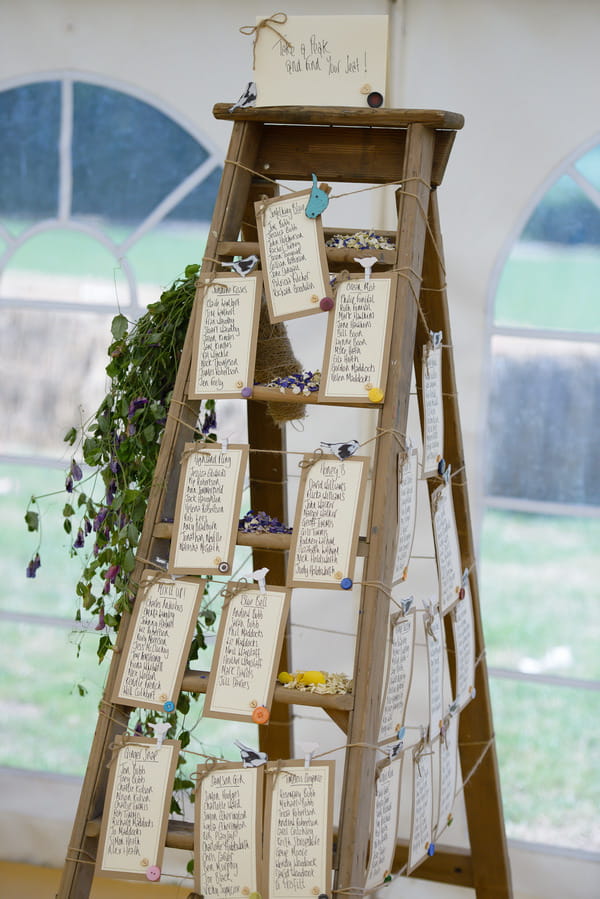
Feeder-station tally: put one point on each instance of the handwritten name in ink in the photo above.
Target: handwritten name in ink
(315, 55)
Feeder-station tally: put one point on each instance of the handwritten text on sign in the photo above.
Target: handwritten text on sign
(300, 831)
(227, 844)
(400, 649)
(327, 519)
(446, 546)
(225, 339)
(407, 510)
(464, 646)
(134, 825)
(158, 640)
(247, 653)
(293, 256)
(385, 823)
(422, 810)
(207, 508)
(433, 429)
(323, 61)
(358, 339)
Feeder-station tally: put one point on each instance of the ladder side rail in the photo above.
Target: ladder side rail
(373, 619)
(77, 875)
(482, 796)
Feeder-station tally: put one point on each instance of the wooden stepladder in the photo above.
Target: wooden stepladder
(409, 148)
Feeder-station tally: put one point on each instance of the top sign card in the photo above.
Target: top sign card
(320, 60)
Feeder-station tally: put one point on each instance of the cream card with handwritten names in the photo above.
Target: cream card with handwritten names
(158, 638)
(463, 631)
(448, 765)
(208, 507)
(357, 346)
(299, 829)
(421, 836)
(136, 810)
(228, 831)
(325, 534)
(433, 408)
(407, 511)
(399, 666)
(294, 261)
(225, 330)
(447, 550)
(320, 60)
(384, 824)
(244, 667)
(434, 639)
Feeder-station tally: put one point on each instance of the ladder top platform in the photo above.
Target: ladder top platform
(342, 115)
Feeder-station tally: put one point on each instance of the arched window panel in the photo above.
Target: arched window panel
(539, 588)
(588, 166)
(127, 156)
(543, 424)
(29, 154)
(551, 279)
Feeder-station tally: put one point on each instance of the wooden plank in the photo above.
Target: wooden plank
(491, 868)
(335, 256)
(196, 682)
(447, 865)
(77, 875)
(342, 115)
(163, 530)
(374, 611)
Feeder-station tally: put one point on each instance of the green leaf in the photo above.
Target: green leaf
(104, 644)
(184, 738)
(183, 703)
(32, 520)
(81, 690)
(68, 510)
(67, 525)
(210, 616)
(71, 436)
(119, 327)
(175, 808)
(133, 535)
(128, 561)
(82, 499)
(190, 866)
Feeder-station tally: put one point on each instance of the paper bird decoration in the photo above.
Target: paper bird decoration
(318, 199)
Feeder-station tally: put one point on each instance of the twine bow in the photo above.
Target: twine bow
(278, 18)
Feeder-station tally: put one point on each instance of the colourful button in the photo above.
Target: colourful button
(326, 304)
(223, 567)
(441, 467)
(169, 706)
(346, 583)
(260, 715)
(153, 872)
(431, 849)
(375, 395)
(461, 593)
(375, 99)
(246, 392)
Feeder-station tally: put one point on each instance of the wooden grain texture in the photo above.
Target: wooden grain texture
(342, 115)
(336, 257)
(359, 775)
(491, 868)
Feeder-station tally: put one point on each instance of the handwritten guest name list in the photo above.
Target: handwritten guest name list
(448, 762)
(299, 830)
(158, 639)
(224, 348)
(434, 638)
(292, 250)
(358, 339)
(407, 511)
(447, 549)
(464, 646)
(207, 508)
(400, 650)
(327, 518)
(433, 430)
(226, 840)
(385, 823)
(137, 807)
(422, 809)
(247, 653)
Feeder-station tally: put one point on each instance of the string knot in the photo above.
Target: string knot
(278, 18)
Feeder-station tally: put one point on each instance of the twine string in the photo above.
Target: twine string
(278, 18)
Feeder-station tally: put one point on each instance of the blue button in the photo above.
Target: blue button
(169, 706)
(346, 583)
(431, 850)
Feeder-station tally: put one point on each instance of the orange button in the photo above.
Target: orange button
(260, 715)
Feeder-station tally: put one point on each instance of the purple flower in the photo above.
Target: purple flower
(139, 730)
(110, 492)
(114, 466)
(33, 566)
(131, 429)
(100, 518)
(101, 625)
(210, 422)
(87, 526)
(79, 540)
(136, 404)
(69, 484)
(75, 471)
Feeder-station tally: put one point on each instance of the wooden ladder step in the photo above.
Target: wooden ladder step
(163, 530)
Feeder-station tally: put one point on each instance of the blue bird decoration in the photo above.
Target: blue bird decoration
(318, 200)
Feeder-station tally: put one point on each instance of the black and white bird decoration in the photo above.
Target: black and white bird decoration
(342, 450)
(242, 266)
(251, 758)
(248, 98)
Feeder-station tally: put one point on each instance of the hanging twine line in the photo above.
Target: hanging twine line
(278, 18)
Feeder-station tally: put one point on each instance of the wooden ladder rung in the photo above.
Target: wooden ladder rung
(163, 530)
(335, 255)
